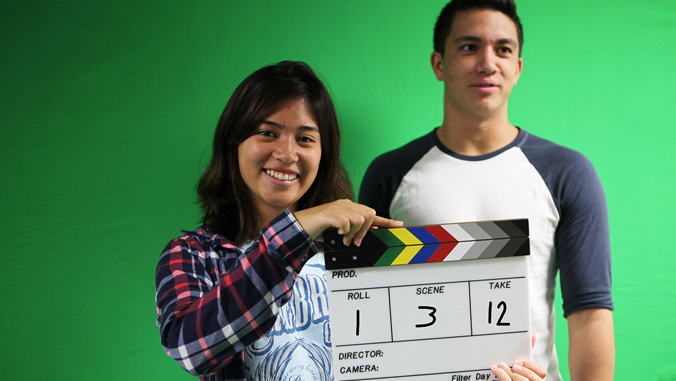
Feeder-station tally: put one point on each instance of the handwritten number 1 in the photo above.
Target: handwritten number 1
(357, 322)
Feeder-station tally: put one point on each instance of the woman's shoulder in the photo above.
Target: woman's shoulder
(199, 241)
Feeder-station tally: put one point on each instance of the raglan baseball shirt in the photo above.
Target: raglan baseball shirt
(556, 188)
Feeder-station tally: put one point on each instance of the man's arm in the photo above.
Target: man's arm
(584, 254)
(591, 350)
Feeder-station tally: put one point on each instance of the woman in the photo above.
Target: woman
(274, 184)
(244, 295)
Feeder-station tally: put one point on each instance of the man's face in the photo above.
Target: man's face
(481, 63)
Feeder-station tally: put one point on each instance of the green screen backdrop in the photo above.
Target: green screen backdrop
(107, 110)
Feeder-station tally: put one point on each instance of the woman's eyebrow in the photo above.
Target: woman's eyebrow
(272, 123)
(309, 128)
(312, 128)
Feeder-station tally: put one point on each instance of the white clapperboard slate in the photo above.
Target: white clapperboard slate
(438, 302)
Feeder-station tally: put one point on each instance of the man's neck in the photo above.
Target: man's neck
(475, 135)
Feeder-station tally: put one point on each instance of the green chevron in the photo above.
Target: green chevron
(387, 237)
(389, 256)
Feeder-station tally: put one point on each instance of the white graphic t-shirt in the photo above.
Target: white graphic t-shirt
(299, 346)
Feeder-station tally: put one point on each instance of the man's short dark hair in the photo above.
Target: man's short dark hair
(443, 26)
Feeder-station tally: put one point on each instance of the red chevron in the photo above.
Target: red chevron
(442, 252)
(440, 233)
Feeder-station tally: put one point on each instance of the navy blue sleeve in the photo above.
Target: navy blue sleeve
(384, 174)
(582, 235)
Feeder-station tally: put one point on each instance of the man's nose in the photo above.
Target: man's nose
(486, 61)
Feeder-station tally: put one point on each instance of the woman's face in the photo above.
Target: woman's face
(279, 162)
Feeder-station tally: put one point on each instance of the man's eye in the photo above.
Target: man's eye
(505, 50)
(468, 48)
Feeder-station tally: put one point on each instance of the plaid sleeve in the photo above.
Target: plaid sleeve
(204, 326)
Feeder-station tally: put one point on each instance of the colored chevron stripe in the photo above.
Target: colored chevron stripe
(433, 243)
(423, 235)
(405, 236)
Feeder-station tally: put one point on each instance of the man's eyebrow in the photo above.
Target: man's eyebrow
(506, 41)
(469, 38)
(271, 123)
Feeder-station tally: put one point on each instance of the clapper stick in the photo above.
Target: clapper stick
(432, 243)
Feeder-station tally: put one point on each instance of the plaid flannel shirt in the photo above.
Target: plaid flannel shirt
(214, 300)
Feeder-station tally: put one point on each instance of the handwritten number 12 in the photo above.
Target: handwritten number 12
(502, 305)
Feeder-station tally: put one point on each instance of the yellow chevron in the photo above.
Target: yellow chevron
(406, 255)
(405, 236)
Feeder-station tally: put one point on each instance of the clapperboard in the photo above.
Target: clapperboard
(428, 303)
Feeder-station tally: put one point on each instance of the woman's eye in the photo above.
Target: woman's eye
(305, 139)
(267, 133)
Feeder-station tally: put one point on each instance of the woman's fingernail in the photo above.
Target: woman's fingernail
(504, 366)
(517, 368)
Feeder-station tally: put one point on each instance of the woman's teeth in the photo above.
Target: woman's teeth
(281, 175)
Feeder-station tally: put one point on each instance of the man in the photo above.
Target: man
(477, 166)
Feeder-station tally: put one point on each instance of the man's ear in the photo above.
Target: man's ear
(437, 65)
(519, 68)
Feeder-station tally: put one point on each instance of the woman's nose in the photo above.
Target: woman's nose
(285, 151)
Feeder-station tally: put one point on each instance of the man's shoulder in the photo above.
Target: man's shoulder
(385, 173)
(406, 155)
(541, 149)
(566, 171)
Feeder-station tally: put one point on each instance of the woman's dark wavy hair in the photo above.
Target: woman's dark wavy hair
(225, 199)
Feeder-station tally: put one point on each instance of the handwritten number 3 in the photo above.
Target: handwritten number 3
(434, 318)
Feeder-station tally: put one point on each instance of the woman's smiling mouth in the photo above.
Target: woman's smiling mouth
(285, 176)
